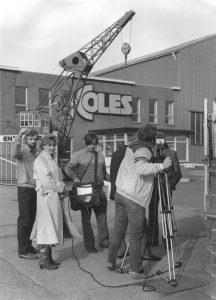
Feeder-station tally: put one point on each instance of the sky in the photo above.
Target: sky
(36, 34)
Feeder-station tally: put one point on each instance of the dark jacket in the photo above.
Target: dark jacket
(116, 160)
(174, 173)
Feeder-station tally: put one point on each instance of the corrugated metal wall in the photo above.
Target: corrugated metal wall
(192, 68)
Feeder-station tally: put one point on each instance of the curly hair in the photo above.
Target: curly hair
(31, 133)
(147, 133)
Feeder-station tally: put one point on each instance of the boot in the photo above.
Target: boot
(44, 260)
(51, 259)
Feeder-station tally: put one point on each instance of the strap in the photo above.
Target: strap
(96, 166)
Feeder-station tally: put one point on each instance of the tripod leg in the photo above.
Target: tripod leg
(123, 260)
(172, 221)
(167, 228)
(163, 220)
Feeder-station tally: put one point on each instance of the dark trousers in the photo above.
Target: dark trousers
(153, 208)
(101, 218)
(27, 198)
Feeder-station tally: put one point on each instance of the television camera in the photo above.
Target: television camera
(158, 154)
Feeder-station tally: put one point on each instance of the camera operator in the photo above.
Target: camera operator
(160, 152)
(134, 188)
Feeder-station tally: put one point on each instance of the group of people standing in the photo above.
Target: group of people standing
(41, 190)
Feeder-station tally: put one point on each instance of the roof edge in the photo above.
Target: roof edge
(167, 51)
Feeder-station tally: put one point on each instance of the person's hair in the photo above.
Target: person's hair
(160, 135)
(147, 133)
(89, 137)
(47, 139)
(31, 133)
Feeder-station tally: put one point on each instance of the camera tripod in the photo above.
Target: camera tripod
(169, 231)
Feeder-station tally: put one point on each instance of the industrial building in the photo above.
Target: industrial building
(165, 89)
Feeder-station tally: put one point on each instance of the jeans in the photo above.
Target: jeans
(101, 218)
(27, 198)
(128, 212)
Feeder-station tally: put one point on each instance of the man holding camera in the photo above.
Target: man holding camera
(161, 151)
(25, 153)
(134, 188)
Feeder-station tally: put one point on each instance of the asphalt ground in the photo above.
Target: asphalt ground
(23, 279)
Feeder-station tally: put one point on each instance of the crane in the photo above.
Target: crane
(76, 68)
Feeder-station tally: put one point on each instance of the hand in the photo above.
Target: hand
(76, 179)
(22, 131)
(167, 163)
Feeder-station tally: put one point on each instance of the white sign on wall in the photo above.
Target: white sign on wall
(7, 138)
(94, 102)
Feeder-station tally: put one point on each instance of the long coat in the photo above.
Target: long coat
(48, 228)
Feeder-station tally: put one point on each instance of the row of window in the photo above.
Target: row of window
(21, 104)
(153, 111)
(111, 142)
(28, 120)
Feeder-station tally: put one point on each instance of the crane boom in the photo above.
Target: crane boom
(78, 65)
(84, 59)
(76, 68)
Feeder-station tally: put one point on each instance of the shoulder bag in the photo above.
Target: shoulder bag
(81, 194)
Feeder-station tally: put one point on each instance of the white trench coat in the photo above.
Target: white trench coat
(48, 227)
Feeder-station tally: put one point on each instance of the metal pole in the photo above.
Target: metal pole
(206, 152)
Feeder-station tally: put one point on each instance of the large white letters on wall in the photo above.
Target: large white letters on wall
(94, 103)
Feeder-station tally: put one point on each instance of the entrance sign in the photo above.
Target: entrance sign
(103, 103)
(7, 138)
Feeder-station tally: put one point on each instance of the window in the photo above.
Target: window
(44, 100)
(20, 99)
(169, 112)
(135, 117)
(26, 120)
(37, 120)
(30, 120)
(196, 124)
(153, 111)
(111, 142)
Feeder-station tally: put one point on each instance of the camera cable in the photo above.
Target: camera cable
(148, 288)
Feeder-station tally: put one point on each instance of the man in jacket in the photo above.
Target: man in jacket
(173, 175)
(134, 188)
(25, 153)
(81, 168)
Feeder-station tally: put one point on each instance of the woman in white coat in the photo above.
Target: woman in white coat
(48, 229)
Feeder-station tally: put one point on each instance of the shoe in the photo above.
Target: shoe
(111, 266)
(138, 275)
(33, 250)
(151, 258)
(29, 255)
(122, 255)
(52, 261)
(92, 250)
(45, 261)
